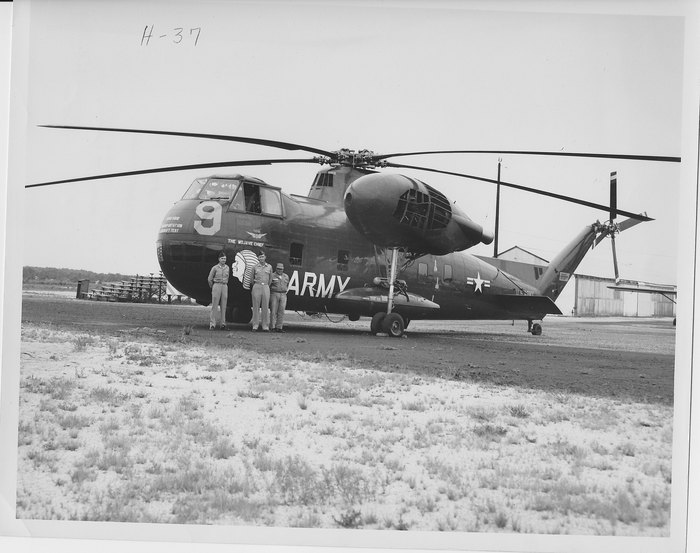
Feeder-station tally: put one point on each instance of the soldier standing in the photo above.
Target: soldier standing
(260, 293)
(218, 282)
(278, 297)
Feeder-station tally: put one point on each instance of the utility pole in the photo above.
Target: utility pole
(498, 208)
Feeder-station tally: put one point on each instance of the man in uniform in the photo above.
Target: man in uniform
(218, 282)
(278, 297)
(260, 293)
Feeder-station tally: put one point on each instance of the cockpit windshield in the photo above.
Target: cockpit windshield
(212, 189)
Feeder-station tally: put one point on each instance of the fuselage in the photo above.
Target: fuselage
(323, 254)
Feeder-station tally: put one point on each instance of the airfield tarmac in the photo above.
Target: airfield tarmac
(617, 358)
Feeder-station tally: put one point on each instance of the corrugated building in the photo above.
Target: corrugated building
(594, 298)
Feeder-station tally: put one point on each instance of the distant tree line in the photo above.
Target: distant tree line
(51, 275)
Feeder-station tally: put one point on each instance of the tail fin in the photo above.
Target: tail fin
(565, 263)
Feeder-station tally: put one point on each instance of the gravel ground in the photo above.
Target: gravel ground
(615, 358)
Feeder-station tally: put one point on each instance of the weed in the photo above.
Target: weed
(295, 480)
(331, 390)
(250, 394)
(223, 448)
(490, 431)
(414, 405)
(627, 449)
(80, 343)
(60, 388)
(349, 519)
(518, 411)
(73, 421)
(108, 396)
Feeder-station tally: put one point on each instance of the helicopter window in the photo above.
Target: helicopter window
(343, 260)
(211, 189)
(295, 254)
(271, 204)
(252, 197)
(194, 189)
(422, 269)
(323, 180)
(238, 202)
(447, 273)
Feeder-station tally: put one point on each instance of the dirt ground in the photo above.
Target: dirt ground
(623, 359)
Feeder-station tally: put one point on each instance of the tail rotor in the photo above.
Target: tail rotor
(611, 228)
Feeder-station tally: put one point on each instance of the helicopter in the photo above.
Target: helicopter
(363, 242)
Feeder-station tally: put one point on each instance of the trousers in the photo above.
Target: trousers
(278, 303)
(219, 298)
(261, 305)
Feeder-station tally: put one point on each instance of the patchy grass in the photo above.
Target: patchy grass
(143, 430)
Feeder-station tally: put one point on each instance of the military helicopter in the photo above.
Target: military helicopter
(363, 242)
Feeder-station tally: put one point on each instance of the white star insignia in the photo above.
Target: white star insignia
(480, 283)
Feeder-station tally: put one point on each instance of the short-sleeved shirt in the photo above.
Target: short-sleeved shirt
(262, 273)
(279, 282)
(219, 274)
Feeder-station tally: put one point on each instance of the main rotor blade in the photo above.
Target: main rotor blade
(526, 189)
(259, 141)
(671, 159)
(177, 168)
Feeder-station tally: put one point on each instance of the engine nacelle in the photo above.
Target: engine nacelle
(398, 211)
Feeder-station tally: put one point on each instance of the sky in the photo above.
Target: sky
(407, 76)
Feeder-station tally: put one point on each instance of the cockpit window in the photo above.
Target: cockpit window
(194, 189)
(212, 189)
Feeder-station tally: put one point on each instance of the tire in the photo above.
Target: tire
(536, 329)
(375, 327)
(240, 315)
(393, 325)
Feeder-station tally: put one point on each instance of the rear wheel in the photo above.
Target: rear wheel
(393, 325)
(375, 327)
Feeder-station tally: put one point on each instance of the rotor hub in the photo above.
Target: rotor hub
(352, 158)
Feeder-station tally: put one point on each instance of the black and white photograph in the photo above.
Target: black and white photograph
(406, 274)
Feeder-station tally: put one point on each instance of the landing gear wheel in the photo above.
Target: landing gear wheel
(375, 327)
(239, 315)
(393, 325)
(536, 329)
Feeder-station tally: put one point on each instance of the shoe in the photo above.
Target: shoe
(280, 330)
(255, 330)
(266, 330)
(211, 327)
(223, 327)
